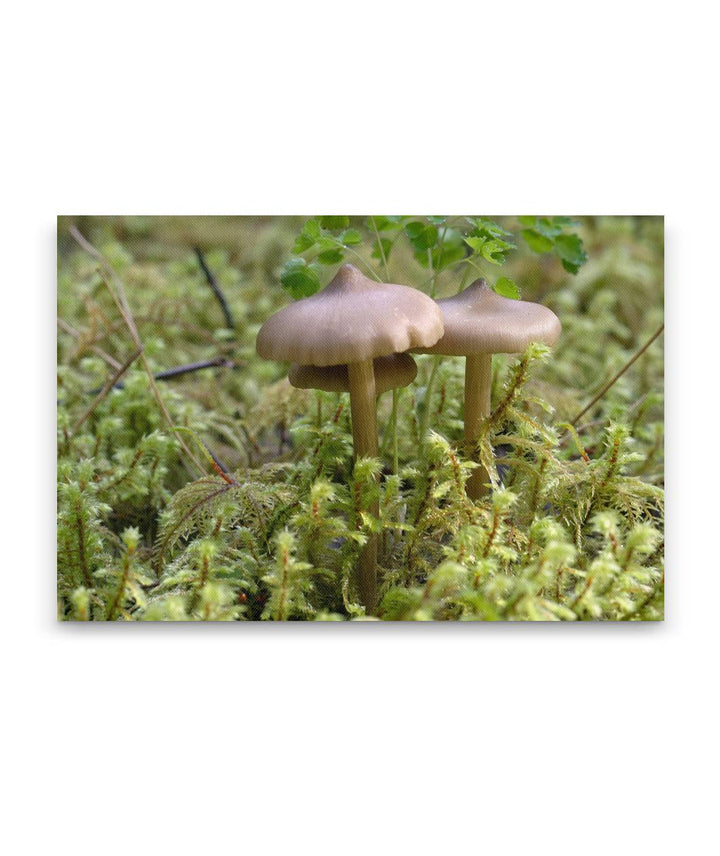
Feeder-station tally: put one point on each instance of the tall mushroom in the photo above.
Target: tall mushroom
(351, 322)
(479, 323)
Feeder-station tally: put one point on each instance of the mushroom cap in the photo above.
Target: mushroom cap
(351, 320)
(390, 373)
(479, 321)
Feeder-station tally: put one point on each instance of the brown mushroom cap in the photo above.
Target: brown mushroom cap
(390, 373)
(479, 321)
(351, 320)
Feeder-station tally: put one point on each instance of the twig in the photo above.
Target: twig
(216, 290)
(106, 389)
(178, 371)
(67, 328)
(619, 374)
(117, 293)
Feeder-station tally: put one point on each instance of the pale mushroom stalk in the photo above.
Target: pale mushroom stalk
(363, 408)
(395, 398)
(478, 389)
(388, 373)
(479, 323)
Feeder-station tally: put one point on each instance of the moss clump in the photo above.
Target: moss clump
(271, 527)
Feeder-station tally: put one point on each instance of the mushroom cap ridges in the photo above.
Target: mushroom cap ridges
(391, 372)
(479, 321)
(351, 320)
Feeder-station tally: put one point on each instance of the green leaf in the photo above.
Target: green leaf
(302, 243)
(414, 229)
(537, 242)
(548, 227)
(488, 228)
(299, 278)
(450, 250)
(507, 288)
(327, 243)
(570, 266)
(571, 251)
(334, 223)
(527, 221)
(494, 251)
(331, 257)
(475, 242)
(385, 224)
(351, 237)
(308, 237)
(421, 235)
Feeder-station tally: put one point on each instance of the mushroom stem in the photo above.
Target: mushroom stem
(363, 407)
(478, 386)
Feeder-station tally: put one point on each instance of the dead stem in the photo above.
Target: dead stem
(117, 292)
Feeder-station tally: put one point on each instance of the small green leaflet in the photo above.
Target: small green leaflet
(308, 237)
(571, 252)
(334, 224)
(350, 237)
(547, 235)
(507, 288)
(537, 242)
(299, 278)
(421, 235)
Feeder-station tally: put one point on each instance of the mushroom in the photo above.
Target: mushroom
(351, 322)
(479, 323)
(390, 373)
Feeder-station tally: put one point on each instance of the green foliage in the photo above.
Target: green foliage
(300, 278)
(507, 288)
(549, 235)
(573, 529)
(463, 246)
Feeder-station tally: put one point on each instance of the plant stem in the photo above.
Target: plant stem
(381, 248)
(106, 389)
(363, 407)
(368, 267)
(216, 290)
(478, 388)
(428, 397)
(117, 292)
(395, 395)
(111, 361)
(619, 374)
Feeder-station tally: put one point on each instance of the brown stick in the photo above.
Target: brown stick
(106, 389)
(215, 288)
(619, 374)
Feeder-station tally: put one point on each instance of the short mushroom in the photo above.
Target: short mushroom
(392, 372)
(479, 323)
(351, 322)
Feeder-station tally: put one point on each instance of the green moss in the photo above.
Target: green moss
(148, 530)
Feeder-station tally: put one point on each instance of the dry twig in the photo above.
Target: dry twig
(117, 292)
(619, 374)
(106, 389)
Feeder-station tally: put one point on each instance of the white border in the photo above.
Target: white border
(510, 739)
